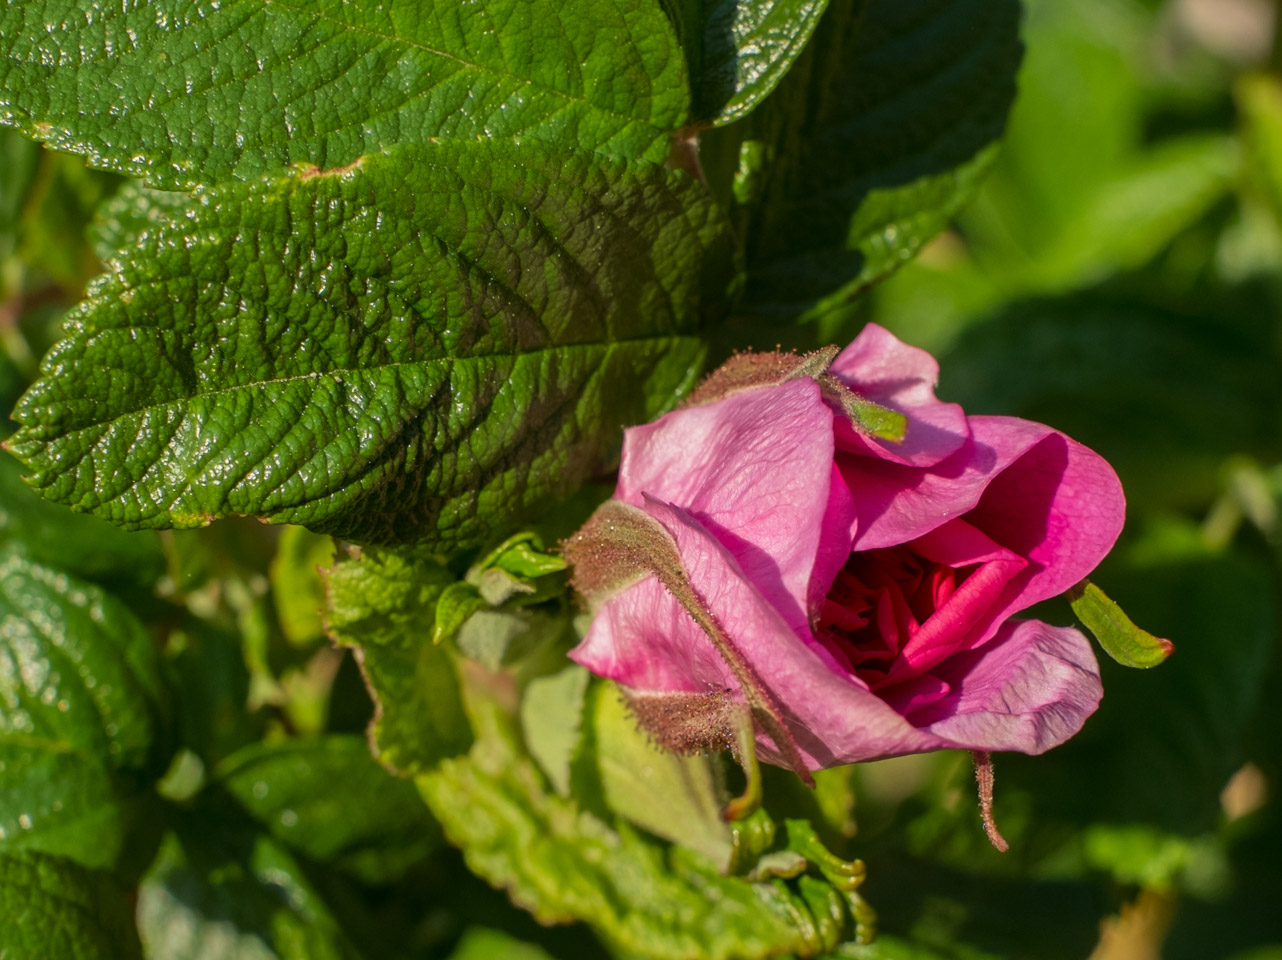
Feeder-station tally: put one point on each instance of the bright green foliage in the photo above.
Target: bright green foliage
(563, 863)
(1121, 639)
(327, 799)
(1135, 213)
(515, 574)
(54, 908)
(296, 585)
(82, 715)
(384, 604)
(480, 943)
(219, 891)
(738, 52)
(674, 797)
(181, 93)
(837, 189)
(417, 347)
(81, 545)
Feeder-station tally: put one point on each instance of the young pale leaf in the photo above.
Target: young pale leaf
(328, 799)
(82, 708)
(1121, 639)
(482, 943)
(297, 589)
(180, 93)
(219, 891)
(384, 604)
(877, 136)
(425, 345)
(645, 899)
(679, 798)
(552, 721)
(738, 52)
(55, 908)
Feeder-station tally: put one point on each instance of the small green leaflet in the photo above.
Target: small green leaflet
(1121, 639)
(423, 346)
(180, 93)
(54, 908)
(877, 136)
(82, 708)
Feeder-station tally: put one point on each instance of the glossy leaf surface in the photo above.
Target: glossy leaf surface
(423, 346)
(183, 93)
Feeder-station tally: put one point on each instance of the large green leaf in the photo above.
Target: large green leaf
(55, 908)
(328, 799)
(220, 891)
(422, 346)
(739, 50)
(85, 546)
(182, 93)
(384, 604)
(82, 708)
(877, 136)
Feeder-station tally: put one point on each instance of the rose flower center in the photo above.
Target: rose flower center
(893, 614)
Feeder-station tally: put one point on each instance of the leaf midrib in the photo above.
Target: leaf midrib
(316, 374)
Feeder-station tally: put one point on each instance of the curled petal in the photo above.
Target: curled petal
(1058, 503)
(887, 371)
(1029, 689)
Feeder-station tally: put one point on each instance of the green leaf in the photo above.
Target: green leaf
(120, 222)
(738, 52)
(383, 604)
(180, 94)
(56, 908)
(522, 556)
(645, 899)
(82, 716)
(327, 799)
(1129, 218)
(877, 136)
(218, 891)
(424, 346)
(85, 546)
(899, 948)
(678, 798)
(499, 638)
(481, 943)
(552, 720)
(1259, 100)
(297, 589)
(1121, 639)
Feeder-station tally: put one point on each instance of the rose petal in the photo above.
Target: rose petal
(972, 607)
(887, 371)
(756, 468)
(1029, 487)
(643, 639)
(1058, 503)
(1028, 690)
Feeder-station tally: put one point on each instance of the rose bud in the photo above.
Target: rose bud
(853, 595)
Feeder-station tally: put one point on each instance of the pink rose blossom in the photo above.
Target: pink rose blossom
(870, 586)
